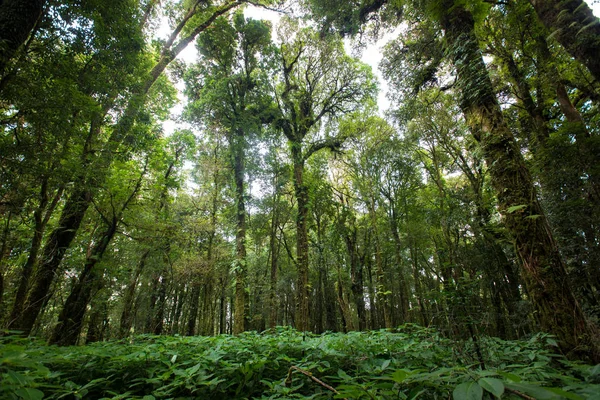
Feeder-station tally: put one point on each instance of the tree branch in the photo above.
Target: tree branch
(288, 380)
(331, 143)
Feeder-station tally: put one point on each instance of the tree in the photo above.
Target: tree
(229, 91)
(17, 20)
(574, 25)
(92, 171)
(523, 216)
(318, 84)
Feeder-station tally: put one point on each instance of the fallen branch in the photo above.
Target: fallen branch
(516, 392)
(288, 380)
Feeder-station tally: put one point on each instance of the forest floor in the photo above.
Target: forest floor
(410, 362)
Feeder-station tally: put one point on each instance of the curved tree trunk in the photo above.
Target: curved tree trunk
(54, 251)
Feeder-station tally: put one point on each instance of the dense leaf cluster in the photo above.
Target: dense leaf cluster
(406, 363)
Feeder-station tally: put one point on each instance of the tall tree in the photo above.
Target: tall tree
(92, 171)
(319, 83)
(523, 216)
(229, 91)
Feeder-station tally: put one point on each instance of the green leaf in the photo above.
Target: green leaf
(399, 375)
(17, 378)
(468, 391)
(385, 364)
(509, 376)
(344, 375)
(30, 394)
(513, 209)
(538, 392)
(148, 397)
(568, 395)
(492, 385)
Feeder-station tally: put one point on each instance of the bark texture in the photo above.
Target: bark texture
(238, 149)
(574, 25)
(543, 269)
(301, 191)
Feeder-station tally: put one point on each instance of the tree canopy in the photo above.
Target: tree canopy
(285, 199)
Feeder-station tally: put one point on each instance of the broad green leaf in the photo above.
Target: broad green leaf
(468, 391)
(509, 376)
(568, 395)
(538, 392)
(30, 394)
(344, 375)
(399, 375)
(385, 364)
(17, 378)
(492, 385)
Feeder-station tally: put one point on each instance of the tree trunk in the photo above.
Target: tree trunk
(302, 319)
(237, 149)
(383, 297)
(274, 247)
(574, 25)
(417, 279)
(161, 303)
(129, 298)
(58, 243)
(374, 306)
(41, 217)
(545, 275)
(194, 305)
(356, 276)
(70, 320)
(402, 284)
(331, 323)
(99, 321)
(274, 250)
(17, 20)
(4, 252)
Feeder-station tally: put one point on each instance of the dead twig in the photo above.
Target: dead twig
(516, 392)
(288, 380)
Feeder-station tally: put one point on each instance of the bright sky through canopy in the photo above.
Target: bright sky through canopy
(371, 54)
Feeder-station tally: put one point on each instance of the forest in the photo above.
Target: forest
(253, 224)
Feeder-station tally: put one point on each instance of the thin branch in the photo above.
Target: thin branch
(516, 392)
(288, 380)
(287, 248)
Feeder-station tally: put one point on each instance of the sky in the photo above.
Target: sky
(371, 55)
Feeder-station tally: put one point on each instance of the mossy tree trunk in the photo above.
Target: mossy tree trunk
(543, 269)
(237, 147)
(574, 25)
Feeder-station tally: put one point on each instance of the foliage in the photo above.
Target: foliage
(406, 363)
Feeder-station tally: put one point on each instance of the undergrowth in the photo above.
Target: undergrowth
(409, 363)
